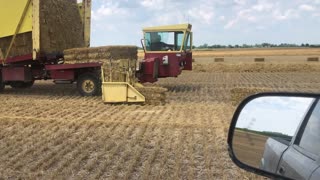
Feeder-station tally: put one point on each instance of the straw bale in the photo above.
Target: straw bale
(313, 59)
(104, 52)
(218, 59)
(259, 59)
(154, 95)
(22, 44)
(60, 26)
(116, 60)
(239, 94)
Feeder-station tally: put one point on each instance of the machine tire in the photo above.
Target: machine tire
(89, 84)
(21, 84)
(2, 85)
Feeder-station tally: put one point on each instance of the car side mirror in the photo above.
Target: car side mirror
(277, 135)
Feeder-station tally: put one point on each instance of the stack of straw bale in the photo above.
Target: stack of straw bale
(116, 60)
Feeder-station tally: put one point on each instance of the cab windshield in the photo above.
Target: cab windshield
(164, 41)
(187, 42)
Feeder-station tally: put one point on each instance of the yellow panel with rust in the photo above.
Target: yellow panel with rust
(182, 27)
(114, 92)
(10, 14)
(120, 92)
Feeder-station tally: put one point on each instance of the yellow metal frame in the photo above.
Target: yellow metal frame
(1, 54)
(35, 28)
(177, 27)
(85, 12)
(9, 19)
(120, 92)
(17, 30)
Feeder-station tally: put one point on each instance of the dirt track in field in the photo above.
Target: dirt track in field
(50, 132)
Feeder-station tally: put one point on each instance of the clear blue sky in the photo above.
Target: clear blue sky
(214, 21)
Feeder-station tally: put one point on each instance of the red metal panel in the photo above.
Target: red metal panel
(27, 57)
(174, 68)
(62, 74)
(188, 62)
(72, 66)
(149, 71)
(16, 74)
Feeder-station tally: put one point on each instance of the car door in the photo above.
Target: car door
(301, 159)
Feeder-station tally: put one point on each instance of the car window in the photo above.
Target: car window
(311, 136)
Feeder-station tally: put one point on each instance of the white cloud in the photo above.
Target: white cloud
(222, 18)
(153, 4)
(231, 23)
(202, 14)
(263, 6)
(240, 2)
(243, 15)
(287, 14)
(306, 7)
(108, 9)
(316, 15)
(260, 27)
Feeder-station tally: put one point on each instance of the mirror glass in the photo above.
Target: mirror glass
(268, 132)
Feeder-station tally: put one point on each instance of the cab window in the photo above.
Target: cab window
(163, 41)
(187, 42)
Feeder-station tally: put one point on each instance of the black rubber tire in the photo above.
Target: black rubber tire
(89, 84)
(2, 85)
(21, 84)
(28, 84)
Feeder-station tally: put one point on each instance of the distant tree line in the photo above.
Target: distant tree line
(268, 133)
(263, 45)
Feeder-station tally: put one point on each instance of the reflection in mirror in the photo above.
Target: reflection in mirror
(265, 129)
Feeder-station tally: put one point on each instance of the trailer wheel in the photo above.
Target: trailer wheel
(21, 84)
(2, 85)
(89, 84)
(28, 84)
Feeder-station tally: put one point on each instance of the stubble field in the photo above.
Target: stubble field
(50, 132)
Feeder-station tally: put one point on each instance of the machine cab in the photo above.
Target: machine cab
(169, 48)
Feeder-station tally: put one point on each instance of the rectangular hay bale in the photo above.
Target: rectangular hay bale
(259, 59)
(116, 60)
(154, 95)
(313, 59)
(218, 59)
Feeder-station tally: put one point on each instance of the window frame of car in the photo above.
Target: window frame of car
(300, 133)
